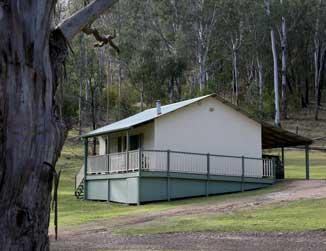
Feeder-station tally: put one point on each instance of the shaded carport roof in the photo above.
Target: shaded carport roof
(275, 137)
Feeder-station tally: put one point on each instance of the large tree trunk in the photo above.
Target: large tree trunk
(284, 68)
(276, 92)
(275, 67)
(31, 135)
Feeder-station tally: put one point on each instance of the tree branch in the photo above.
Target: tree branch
(87, 15)
(102, 40)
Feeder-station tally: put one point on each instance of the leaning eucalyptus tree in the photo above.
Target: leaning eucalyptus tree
(32, 52)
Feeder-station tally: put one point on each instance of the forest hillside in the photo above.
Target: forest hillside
(268, 59)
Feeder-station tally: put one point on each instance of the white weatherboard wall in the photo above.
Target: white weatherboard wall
(209, 126)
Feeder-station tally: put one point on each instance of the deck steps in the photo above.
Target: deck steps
(79, 192)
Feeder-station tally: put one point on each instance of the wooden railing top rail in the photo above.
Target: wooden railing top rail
(179, 152)
(180, 161)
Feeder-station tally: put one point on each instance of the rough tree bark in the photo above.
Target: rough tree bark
(31, 133)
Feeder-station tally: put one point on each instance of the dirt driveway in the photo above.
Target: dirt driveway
(99, 236)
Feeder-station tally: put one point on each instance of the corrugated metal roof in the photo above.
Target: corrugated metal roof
(272, 137)
(142, 117)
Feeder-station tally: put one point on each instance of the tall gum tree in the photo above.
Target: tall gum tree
(275, 66)
(31, 134)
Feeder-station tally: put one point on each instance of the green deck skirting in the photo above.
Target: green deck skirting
(131, 188)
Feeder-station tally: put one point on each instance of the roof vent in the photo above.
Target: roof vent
(158, 107)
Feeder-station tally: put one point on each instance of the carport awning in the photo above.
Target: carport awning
(274, 137)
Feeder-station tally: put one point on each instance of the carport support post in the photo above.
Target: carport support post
(207, 180)
(85, 166)
(242, 173)
(168, 174)
(307, 162)
(274, 168)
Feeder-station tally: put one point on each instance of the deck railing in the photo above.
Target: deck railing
(117, 162)
(154, 160)
(181, 162)
(97, 164)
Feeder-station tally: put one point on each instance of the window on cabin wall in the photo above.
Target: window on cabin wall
(134, 142)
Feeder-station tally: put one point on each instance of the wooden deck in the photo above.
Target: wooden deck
(200, 174)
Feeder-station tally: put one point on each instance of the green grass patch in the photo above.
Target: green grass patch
(285, 217)
(295, 165)
(294, 216)
(73, 212)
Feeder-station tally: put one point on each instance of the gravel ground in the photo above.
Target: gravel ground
(315, 241)
(99, 236)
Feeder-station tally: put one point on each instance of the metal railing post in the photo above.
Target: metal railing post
(208, 173)
(85, 166)
(168, 175)
(307, 162)
(242, 172)
(139, 175)
(108, 151)
(127, 160)
(108, 156)
(274, 169)
(127, 150)
(140, 160)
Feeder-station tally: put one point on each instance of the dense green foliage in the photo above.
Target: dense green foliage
(173, 50)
